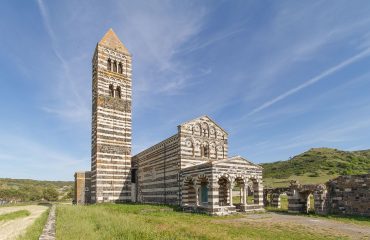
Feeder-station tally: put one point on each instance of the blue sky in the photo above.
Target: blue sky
(280, 76)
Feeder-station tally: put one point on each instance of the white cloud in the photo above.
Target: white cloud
(313, 80)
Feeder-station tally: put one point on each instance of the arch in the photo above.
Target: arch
(109, 65)
(205, 150)
(223, 191)
(118, 92)
(212, 132)
(188, 192)
(115, 66)
(120, 68)
(240, 197)
(253, 191)
(202, 187)
(205, 129)
(111, 90)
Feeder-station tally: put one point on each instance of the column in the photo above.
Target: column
(245, 195)
(196, 195)
(231, 194)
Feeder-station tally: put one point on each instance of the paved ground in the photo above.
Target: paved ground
(11, 229)
(326, 226)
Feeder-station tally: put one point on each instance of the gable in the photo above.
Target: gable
(204, 125)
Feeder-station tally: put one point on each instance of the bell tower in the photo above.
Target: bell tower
(111, 121)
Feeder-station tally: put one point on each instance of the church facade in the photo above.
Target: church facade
(191, 169)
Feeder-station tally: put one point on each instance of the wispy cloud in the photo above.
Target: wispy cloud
(313, 80)
(70, 104)
(35, 157)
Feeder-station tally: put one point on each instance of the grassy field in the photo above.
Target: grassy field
(302, 179)
(109, 221)
(14, 215)
(34, 231)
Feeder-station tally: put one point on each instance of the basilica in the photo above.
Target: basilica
(190, 169)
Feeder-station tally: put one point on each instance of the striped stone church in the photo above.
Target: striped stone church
(191, 168)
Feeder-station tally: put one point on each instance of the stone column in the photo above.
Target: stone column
(231, 193)
(245, 195)
(196, 195)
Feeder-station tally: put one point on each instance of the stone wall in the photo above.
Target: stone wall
(82, 188)
(157, 173)
(349, 195)
(344, 195)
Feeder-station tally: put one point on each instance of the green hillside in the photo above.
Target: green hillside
(33, 190)
(316, 166)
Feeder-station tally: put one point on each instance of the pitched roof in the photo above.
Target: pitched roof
(111, 40)
(205, 116)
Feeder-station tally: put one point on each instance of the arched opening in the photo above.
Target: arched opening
(109, 65)
(238, 192)
(252, 191)
(223, 189)
(115, 66)
(111, 90)
(205, 150)
(279, 201)
(118, 92)
(120, 68)
(188, 193)
(309, 203)
(203, 192)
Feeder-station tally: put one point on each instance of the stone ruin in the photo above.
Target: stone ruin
(344, 195)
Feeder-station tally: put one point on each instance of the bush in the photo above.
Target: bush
(50, 194)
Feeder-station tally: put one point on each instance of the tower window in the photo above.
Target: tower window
(109, 65)
(115, 66)
(120, 69)
(118, 92)
(111, 90)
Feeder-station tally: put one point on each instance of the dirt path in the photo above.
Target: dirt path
(325, 226)
(11, 229)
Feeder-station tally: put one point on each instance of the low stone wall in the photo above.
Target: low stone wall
(349, 195)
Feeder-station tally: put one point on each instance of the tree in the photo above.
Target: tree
(50, 194)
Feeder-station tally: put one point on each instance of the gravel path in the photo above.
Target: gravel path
(11, 229)
(49, 230)
(321, 225)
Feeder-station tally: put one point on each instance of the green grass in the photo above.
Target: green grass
(14, 215)
(34, 231)
(316, 166)
(109, 221)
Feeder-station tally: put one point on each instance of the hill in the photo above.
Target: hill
(316, 165)
(32, 190)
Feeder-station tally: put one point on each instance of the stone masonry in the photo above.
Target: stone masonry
(349, 195)
(344, 195)
(82, 187)
(111, 121)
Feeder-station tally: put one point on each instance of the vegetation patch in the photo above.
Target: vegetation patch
(130, 221)
(315, 166)
(34, 231)
(27, 190)
(14, 215)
